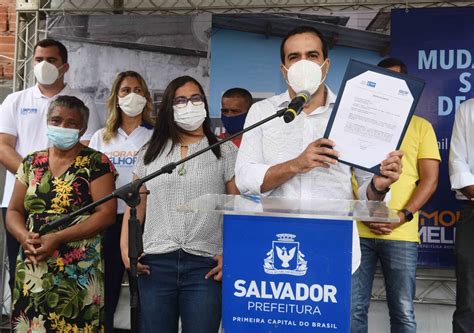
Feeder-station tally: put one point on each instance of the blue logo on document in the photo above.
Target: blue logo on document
(285, 257)
(26, 111)
(371, 84)
(402, 92)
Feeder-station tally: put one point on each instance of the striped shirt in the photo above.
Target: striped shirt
(166, 229)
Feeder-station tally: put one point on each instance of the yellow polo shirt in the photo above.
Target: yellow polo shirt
(419, 143)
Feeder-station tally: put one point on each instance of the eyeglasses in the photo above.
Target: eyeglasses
(182, 101)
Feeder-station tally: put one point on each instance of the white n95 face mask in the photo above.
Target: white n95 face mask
(305, 75)
(45, 72)
(189, 117)
(132, 104)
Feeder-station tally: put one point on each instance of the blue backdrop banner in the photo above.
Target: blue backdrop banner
(286, 274)
(436, 46)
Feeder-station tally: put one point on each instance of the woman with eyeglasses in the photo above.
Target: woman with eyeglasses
(180, 272)
(128, 127)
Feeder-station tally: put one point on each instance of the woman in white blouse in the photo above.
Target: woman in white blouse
(128, 127)
(180, 272)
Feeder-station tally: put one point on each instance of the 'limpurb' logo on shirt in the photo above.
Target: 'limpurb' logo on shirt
(25, 111)
(288, 260)
(371, 84)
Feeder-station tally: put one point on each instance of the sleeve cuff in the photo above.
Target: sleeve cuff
(8, 130)
(363, 192)
(461, 180)
(250, 180)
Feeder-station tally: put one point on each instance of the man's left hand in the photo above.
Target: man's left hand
(390, 168)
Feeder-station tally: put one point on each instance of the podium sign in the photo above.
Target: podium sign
(284, 274)
(287, 261)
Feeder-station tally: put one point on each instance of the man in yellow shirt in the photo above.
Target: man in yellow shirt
(396, 244)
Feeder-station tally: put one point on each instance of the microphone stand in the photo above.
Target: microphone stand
(131, 195)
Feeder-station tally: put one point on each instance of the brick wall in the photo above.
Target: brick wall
(7, 38)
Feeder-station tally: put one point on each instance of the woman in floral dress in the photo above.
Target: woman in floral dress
(59, 276)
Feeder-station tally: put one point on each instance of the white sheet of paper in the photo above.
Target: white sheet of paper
(370, 118)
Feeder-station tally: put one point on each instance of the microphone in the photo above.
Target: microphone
(296, 105)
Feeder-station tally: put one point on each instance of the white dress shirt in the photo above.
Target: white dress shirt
(277, 142)
(461, 154)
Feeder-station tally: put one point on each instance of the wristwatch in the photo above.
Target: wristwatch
(408, 215)
(374, 189)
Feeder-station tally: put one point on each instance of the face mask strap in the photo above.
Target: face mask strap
(325, 75)
(59, 69)
(286, 78)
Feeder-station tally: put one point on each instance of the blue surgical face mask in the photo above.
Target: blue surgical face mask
(233, 124)
(63, 138)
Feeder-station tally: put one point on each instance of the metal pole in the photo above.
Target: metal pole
(3, 280)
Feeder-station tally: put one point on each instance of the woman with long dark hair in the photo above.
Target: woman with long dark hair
(180, 272)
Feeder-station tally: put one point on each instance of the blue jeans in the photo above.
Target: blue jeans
(398, 260)
(177, 288)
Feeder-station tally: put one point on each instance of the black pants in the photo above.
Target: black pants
(113, 271)
(463, 318)
(12, 251)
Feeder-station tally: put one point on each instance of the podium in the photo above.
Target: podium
(287, 262)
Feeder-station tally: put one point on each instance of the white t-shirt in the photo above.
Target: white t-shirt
(23, 114)
(121, 151)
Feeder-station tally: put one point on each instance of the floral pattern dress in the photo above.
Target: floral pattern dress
(64, 293)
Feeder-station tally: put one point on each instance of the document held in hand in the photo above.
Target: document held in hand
(371, 114)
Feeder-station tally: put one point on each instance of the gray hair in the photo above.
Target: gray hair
(73, 103)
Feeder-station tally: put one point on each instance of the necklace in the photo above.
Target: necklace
(181, 170)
